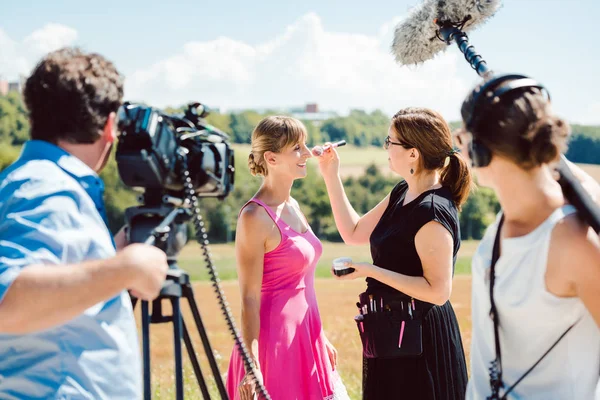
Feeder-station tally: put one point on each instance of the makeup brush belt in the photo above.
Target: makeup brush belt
(390, 329)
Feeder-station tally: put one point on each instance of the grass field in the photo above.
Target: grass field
(190, 259)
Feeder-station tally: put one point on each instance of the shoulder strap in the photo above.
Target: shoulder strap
(263, 205)
(496, 365)
(540, 359)
(495, 369)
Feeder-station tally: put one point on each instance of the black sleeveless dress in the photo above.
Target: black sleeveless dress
(440, 373)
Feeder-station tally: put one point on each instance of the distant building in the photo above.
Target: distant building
(311, 113)
(14, 86)
(312, 108)
(3, 87)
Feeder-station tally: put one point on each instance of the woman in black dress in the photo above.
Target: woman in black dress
(414, 235)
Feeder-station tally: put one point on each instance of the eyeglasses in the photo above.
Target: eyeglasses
(388, 141)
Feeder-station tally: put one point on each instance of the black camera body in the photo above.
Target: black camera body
(155, 149)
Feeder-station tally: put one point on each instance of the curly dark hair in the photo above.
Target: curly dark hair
(70, 95)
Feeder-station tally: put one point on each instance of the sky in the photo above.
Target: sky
(235, 54)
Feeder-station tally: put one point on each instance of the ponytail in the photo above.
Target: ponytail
(457, 177)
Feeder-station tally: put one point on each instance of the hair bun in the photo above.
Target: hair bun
(548, 138)
(255, 169)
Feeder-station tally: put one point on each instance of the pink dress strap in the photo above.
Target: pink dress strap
(269, 211)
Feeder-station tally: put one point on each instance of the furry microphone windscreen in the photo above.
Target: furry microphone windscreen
(415, 38)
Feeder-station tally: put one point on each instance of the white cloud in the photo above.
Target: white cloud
(11, 61)
(49, 38)
(19, 57)
(305, 63)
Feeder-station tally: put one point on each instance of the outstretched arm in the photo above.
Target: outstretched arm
(44, 296)
(354, 229)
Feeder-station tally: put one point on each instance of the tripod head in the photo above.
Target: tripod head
(160, 221)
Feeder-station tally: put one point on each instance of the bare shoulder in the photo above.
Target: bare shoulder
(433, 235)
(255, 217)
(574, 248)
(571, 233)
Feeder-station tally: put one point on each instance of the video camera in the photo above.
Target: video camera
(175, 159)
(155, 149)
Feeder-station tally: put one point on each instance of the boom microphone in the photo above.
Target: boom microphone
(433, 25)
(437, 23)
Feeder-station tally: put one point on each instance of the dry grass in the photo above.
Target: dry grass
(592, 169)
(353, 168)
(190, 259)
(336, 302)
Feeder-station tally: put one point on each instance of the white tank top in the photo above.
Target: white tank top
(531, 320)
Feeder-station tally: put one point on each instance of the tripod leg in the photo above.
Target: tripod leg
(197, 370)
(146, 350)
(188, 293)
(177, 347)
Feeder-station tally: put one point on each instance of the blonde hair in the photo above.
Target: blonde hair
(274, 134)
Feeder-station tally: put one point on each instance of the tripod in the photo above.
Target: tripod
(170, 235)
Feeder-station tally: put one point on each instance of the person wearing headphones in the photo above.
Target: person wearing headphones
(537, 268)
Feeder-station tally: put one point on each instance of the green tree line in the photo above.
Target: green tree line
(365, 191)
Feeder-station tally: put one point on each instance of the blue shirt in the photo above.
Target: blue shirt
(52, 212)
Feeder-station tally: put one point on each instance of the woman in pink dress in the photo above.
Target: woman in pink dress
(277, 254)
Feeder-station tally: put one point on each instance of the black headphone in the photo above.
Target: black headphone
(478, 104)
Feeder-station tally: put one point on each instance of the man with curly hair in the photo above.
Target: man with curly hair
(66, 323)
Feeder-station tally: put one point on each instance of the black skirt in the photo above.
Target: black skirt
(440, 373)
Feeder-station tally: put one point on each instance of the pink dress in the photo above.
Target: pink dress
(292, 354)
